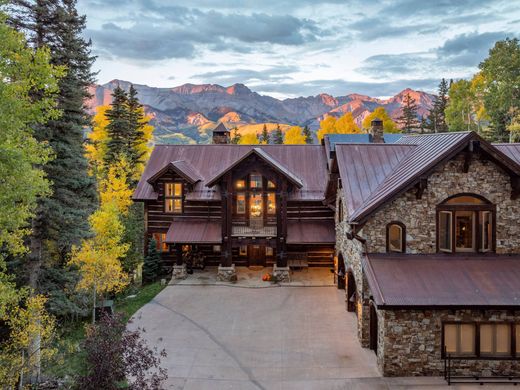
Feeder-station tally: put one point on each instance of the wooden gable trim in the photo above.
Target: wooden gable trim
(172, 167)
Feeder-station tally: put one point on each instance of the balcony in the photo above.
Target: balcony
(253, 230)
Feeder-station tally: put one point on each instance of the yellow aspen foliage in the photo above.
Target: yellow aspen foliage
(98, 259)
(389, 125)
(343, 125)
(294, 136)
(249, 139)
(25, 319)
(114, 187)
(145, 146)
(96, 146)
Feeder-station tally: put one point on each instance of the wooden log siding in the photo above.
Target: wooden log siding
(308, 210)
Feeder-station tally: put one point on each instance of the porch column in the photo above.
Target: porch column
(226, 269)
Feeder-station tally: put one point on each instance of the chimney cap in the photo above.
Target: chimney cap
(376, 121)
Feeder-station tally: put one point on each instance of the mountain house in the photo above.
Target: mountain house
(425, 228)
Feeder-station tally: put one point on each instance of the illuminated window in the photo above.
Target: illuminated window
(255, 181)
(395, 235)
(465, 224)
(173, 198)
(216, 248)
(255, 206)
(271, 203)
(160, 239)
(270, 184)
(243, 250)
(495, 340)
(240, 184)
(269, 251)
(241, 203)
(459, 339)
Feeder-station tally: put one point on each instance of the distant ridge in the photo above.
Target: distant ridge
(187, 113)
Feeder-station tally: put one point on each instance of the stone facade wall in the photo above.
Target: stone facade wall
(419, 215)
(410, 343)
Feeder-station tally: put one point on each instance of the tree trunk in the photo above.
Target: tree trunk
(94, 304)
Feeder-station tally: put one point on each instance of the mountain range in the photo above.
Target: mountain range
(188, 113)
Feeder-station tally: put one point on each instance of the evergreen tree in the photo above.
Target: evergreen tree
(119, 128)
(152, 263)
(264, 137)
(278, 135)
(307, 134)
(136, 134)
(408, 118)
(437, 115)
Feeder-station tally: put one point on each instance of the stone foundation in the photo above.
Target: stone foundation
(282, 274)
(179, 272)
(227, 274)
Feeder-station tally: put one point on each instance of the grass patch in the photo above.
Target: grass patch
(71, 357)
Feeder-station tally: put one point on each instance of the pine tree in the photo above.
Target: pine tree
(437, 115)
(408, 118)
(119, 128)
(152, 263)
(278, 135)
(135, 137)
(264, 137)
(307, 134)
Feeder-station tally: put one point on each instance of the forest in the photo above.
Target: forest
(71, 239)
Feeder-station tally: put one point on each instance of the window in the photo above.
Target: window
(216, 248)
(255, 206)
(270, 184)
(271, 203)
(395, 237)
(160, 239)
(255, 181)
(459, 339)
(269, 251)
(495, 339)
(465, 224)
(240, 184)
(241, 203)
(243, 250)
(173, 198)
(517, 337)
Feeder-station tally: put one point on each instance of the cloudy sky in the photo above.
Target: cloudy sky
(287, 48)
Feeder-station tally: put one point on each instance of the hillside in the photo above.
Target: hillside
(187, 113)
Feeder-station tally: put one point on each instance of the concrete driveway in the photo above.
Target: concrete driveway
(222, 337)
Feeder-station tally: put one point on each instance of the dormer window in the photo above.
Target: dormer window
(465, 223)
(173, 198)
(396, 237)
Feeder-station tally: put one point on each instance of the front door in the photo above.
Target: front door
(256, 255)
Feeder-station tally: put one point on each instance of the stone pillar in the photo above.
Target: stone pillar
(282, 274)
(179, 272)
(227, 215)
(281, 224)
(227, 274)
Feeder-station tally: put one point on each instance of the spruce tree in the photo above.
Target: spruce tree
(437, 115)
(264, 137)
(136, 134)
(278, 135)
(307, 134)
(152, 263)
(119, 127)
(408, 118)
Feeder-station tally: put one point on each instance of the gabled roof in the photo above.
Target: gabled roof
(182, 168)
(417, 160)
(511, 150)
(221, 128)
(403, 280)
(306, 162)
(275, 164)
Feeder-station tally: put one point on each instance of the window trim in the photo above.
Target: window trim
(479, 210)
(402, 226)
(174, 197)
(514, 352)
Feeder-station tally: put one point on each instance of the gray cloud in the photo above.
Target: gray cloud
(246, 76)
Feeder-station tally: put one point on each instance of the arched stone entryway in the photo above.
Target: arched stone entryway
(351, 291)
(373, 328)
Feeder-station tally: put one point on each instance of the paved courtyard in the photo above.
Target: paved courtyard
(238, 337)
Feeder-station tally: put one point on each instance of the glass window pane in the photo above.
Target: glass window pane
(240, 184)
(395, 238)
(270, 184)
(486, 338)
(256, 206)
(464, 231)
(445, 231)
(164, 245)
(271, 203)
(467, 338)
(517, 326)
(255, 181)
(168, 205)
(243, 250)
(450, 338)
(486, 231)
(503, 339)
(177, 189)
(168, 189)
(268, 251)
(241, 204)
(177, 204)
(465, 199)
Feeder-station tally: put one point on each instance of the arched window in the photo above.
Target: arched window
(396, 237)
(466, 223)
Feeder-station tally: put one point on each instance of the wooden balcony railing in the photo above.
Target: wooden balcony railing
(253, 231)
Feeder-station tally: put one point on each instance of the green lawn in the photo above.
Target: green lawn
(71, 358)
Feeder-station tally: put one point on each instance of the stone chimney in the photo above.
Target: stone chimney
(376, 131)
(221, 134)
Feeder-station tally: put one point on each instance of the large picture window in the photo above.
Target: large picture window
(173, 198)
(255, 197)
(465, 223)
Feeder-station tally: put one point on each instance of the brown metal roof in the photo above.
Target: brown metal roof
(443, 280)
(194, 232)
(221, 128)
(306, 162)
(182, 168)
(277, 166)
(420, 156)
(311, 232)
(511, 150)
